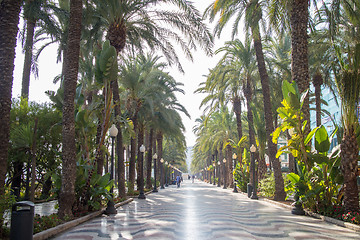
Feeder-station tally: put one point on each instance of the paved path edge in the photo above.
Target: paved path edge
(319, 216)
(65, 226)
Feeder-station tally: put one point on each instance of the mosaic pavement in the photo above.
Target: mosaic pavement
(202, 211)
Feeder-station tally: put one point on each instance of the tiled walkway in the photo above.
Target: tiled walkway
(202, 211)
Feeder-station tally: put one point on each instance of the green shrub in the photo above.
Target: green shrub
(267, 186)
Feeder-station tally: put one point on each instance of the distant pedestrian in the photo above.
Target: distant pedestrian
(178, 180)
(193, 177)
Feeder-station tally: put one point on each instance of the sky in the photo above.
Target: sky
(194, 75)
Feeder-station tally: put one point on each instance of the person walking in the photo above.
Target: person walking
(178, 180)
(193, 177)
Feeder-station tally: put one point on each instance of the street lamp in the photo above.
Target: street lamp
(219, 174)
(224, 161)
(161, 173)
(141, 173)
(253, 150)
(234, 157)
(110, 209)
(166, 173)
(155, 157)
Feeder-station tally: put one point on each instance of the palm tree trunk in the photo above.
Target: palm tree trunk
(248, 95)
(9, 20)
(317, 82)
(100, 157)
(229, 166)
(67, 193)
(149, 159)
(132, 164)
(299, 51)
(140, 158)
(30, 28)
(237, 111)
(33, 163)
(119, 142)
(349, 161)
(221, 157)
(159, 140)
(269, 125)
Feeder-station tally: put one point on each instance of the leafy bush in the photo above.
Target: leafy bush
(267, 186)
(241, 175)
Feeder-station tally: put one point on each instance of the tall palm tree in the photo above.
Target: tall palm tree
(344, 25)
(67, 193)
(299, 19)
(294, 16)
(9, 19)
(252, 10)
(34, 12)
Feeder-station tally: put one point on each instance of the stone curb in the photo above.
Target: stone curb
(65, 226)
(318, 216)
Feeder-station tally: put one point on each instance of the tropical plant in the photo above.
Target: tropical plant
(242, 171)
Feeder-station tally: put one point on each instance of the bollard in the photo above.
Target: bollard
(249, 189)
(22, 221)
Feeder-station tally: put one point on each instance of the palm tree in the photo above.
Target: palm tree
(34, 11)
(294, 16)
(67, 194)
(252, 9)
(299, 19)
(216, 132)
(9, 19)
(348, 85)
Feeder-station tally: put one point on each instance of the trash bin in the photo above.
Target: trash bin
(22, 220)
(249, 189)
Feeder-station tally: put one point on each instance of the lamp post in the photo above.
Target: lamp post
(214, 174)
(110, 209)
(234, 157)
(253, 150)
(166, 173)
(224, 161)
(219, 174)
(141, 173)
(155, 157)
(162, 173)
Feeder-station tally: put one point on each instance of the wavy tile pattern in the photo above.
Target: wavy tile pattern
(202, 211)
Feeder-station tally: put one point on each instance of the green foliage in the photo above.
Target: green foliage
(99, 191)
(48, 137)
(6, 202)
(99, 186)
(292, 121)
(106, 67)
(318, 179)
(41, 223)
(267, 186)
(241, 172)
